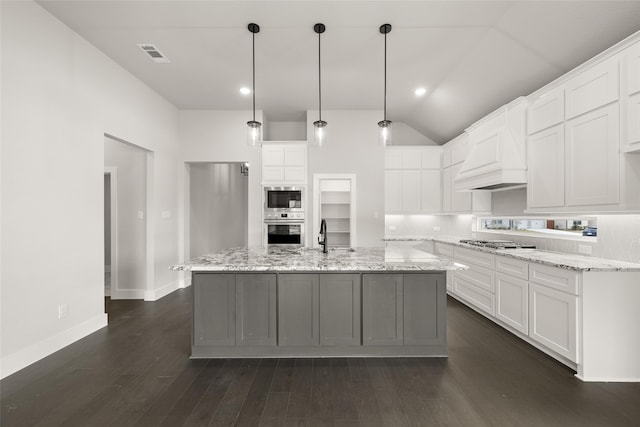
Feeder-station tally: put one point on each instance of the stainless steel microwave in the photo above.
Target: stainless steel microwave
(289, 199)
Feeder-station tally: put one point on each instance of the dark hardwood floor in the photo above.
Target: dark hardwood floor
(137, 372)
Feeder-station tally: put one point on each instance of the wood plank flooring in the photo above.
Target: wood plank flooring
(136, 372)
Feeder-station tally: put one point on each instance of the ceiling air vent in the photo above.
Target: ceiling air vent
(153, 52)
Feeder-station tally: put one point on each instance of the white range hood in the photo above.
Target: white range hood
(497, 151)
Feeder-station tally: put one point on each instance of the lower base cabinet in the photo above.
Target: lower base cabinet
(552, 319)
(512, 302)
(319, 314)
(318, 309)
(234, 309)
(403, 309)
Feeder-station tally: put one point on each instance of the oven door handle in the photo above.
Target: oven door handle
(284, 222)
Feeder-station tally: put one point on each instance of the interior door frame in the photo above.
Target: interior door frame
(113, 214)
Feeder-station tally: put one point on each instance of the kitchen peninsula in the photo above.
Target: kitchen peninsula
(285, 302)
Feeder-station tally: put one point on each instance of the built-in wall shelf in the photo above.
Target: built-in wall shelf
(334, 201)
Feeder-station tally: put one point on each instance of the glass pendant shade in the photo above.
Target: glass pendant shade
(384, 135)
(254, 133)
(319, 133)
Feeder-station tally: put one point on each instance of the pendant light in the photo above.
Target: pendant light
(319, 133)
(254, 128)
(385, 125)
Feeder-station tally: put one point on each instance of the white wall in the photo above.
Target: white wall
(60, 95)
(352, 148)
(220, 137)
(404, 134)
(218, 206)
(130, 187)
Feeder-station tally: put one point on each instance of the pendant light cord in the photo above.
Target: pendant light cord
(253, 57)
(385, 76)
(319, 81)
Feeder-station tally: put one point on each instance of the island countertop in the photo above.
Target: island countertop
(284, 259)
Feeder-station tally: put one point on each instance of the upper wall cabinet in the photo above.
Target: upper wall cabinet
(576, 160)
(631, 105)
(546, 110)
(284, 163)
(593, 88)
(412, 180)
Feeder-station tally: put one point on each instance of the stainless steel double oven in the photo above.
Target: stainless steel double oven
(284, 216)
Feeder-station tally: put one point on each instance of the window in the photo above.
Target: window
(542, 227)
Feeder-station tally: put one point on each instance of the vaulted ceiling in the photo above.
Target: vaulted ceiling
(471, 56)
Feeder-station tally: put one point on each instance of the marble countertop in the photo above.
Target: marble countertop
(280, 259)
(555, 259)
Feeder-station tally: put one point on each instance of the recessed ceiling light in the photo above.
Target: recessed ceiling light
(245, 90)
(420, 91)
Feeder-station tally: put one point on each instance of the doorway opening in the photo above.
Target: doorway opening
(126, 205)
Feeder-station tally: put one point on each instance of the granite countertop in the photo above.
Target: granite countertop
(281, 259)
(554, 259)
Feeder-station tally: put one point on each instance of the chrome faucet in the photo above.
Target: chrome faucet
(323, 235)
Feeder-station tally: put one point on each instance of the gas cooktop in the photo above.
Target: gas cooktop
(497, 244)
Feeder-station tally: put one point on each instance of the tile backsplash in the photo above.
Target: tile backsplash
(618, 238)
(618, 235)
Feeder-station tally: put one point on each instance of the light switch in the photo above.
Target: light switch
(166, 214)
(140, 215)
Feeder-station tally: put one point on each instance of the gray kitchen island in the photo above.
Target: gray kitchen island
(284, 302)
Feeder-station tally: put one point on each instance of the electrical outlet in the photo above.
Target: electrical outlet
(584, 249)
(436, 228)
(63, 311)
(392, 228)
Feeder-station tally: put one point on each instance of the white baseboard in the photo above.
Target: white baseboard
(127, 293)
(27, 356)
(156, 294)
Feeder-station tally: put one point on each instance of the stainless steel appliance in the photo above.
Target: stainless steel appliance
(497, 244)
(283, 199)
(284, 229)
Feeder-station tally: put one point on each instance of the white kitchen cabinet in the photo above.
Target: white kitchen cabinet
(284, 163)
(556, 278)
(411, 190)
(545, 173)
(477, 284)
(477, 297)
(446, 251)
(632, 98)
(455, 202)
(512, 293)
(430, 187)
(593, 88)
(545, 110)
(633, 123)
(592, 155)
(461, 201)
(632, 63)
(412, 180)
(553, 320)
(393, 191)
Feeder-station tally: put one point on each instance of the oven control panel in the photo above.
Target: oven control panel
(283, 215)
